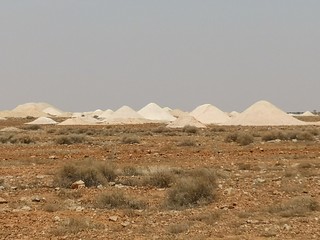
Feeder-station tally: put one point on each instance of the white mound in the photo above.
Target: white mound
(209, 114)
(80, 121)
(106, 114)
(233, 114)
(30, 109)
(43, 121)
(2, 118)
(185, 121)
(178, 113)
(125, 112)
(52, 111)
(307, 114)
(125, 115)
(153, 112)
(263, 113)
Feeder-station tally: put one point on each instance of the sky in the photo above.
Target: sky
(82, 55)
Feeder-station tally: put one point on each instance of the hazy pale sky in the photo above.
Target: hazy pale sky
(81, 55)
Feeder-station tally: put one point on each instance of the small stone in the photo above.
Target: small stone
(78, 184)
(57, 219)
(125, 224)
(100, 186)
(113, 218)
(2, 200)
(112, 183)
(79, 209)
(35, 199)
(14, 188)
(26, 208)
(2, 187)
(53, 157)
(286, 227)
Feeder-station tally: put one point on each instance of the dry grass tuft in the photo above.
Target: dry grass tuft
(296, 207)
(93, 173)
(195, 189)
(116, 199)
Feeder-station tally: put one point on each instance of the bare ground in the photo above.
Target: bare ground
(264, 190)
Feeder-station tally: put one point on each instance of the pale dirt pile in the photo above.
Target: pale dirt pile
(154, 112)
(2, 119)
(178, 113)
(43, 121)
(263, 113)
(208, 114)
(80, 121)
(233, 114)
(106, 113)
(33, 110)
(186, 120)
(53, 111)
(307, 114)
(124, 115)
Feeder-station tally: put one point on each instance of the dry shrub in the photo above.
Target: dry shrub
(195, 189)
(75, 225)
(16, 139)
(93, 173)
(160, 179)
(116, 199)
(130, 139)
(299, 135)
(273, 135)
(52, 207)
(131, 171)
(240, 138)
(161, 129)
(190, 129)
(32, 127)
(70, 139)
(296, 207)
(187, 143)
(178, 228)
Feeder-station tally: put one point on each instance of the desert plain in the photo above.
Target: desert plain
(148, 181)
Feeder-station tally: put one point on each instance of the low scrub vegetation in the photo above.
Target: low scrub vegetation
(296, 207)
(196, 188)
(16, 139)
(160, 179)
(75, 225)
(282, 135)
(116, 199)
(70, 139)
(187, 143)
(130, 139)
(190, 129)
(92, 173)
(240, 138)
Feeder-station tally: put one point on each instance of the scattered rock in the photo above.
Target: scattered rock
(125, 223)
(78, 184)
(113, 218)
(26, 208)
(112, 183)
(270, 231)
(286, 227)
(53, 157)
(79, 209)
(2, 200)
(35, 199)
